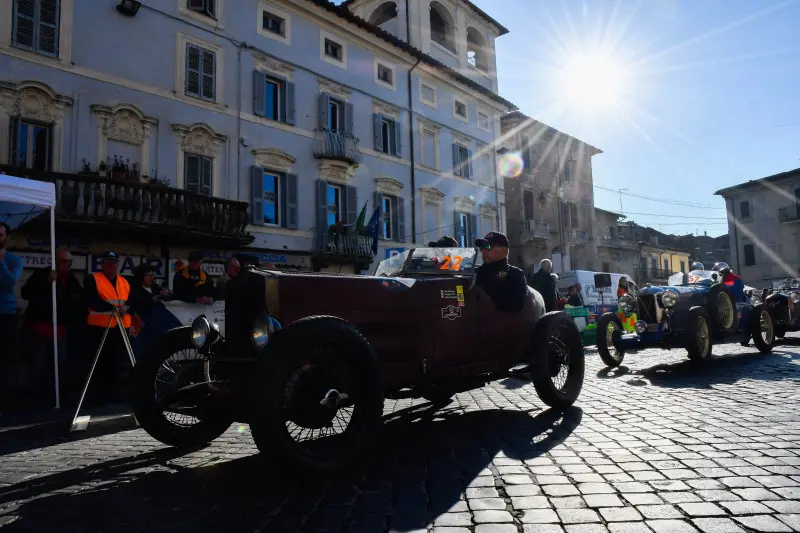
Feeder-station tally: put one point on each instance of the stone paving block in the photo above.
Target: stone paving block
(447, 529)
(680, 497)
(495, 528)
(596, 488)
(785, 506)
(482, 504)
(671, 526)
(482, 492)
(540, 516)
(629, 527)
(654, 512)
(642, 498)
(568, 502)
(453, 519)
(523, 490)
(701, 509)
(484, 517)
(791, 520)
(620, 514)
(603, 500)
(746, 507)
(717, 525)
(740, 482)
(586, 528)
(560, 490)
(763, 523)
(530, 502)
(717, 495)
(542, 528)
(757, 494)
(578, 516)
(790, 493)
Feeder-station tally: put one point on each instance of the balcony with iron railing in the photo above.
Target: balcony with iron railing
(609, 241)
(338, 146)
(578, 236)
(112, 206)
(535, 229)
(654, 275)
(789, 213)
(342, 245)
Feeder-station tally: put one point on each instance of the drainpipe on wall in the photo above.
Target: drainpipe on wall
(413, 182)
(239, 118)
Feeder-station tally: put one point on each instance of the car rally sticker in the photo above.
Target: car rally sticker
(451, 312)
(460, 295)
(450, 294)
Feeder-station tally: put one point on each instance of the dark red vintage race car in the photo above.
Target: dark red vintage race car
(308, 358)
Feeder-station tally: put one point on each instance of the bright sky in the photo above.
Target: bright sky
(685, 96)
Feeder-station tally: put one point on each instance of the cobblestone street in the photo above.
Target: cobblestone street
(658, 445)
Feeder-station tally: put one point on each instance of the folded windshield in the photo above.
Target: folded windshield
(430, 261)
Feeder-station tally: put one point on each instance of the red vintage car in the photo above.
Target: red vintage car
(308, 358)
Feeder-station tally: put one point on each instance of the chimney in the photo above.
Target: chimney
(705, 233)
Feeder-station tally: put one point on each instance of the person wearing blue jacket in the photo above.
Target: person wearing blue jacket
(10, 272)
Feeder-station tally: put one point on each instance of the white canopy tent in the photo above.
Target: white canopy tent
(22, 200)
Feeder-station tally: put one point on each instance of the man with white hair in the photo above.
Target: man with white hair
(545, 284)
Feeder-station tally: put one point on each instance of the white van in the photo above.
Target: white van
(590, 295)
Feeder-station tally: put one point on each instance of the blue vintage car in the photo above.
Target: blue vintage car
(693, 311)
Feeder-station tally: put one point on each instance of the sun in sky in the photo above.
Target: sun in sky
(595, 82)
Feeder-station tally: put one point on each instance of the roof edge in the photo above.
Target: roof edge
(759, 181)
(519, 114)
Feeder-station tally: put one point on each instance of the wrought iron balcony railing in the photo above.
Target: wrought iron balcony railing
(338, 145)
(131, 205)
(617, 242)
(343, 246)
(536, 229)
(789, 213)
(579, 236)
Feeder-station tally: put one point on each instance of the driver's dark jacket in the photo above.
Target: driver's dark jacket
(505, 285)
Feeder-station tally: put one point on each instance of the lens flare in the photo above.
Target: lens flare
(510, 165)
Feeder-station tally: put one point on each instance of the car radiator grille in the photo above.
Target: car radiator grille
(647, 308)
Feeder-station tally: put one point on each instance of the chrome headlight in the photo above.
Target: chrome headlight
(201, 329)
(755, 299)
(626, 302)
(263, 329)
(669, 298)
(795, 297)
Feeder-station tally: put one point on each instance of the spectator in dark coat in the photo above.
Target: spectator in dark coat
(191, 283)
(152, 317)
(544, 283)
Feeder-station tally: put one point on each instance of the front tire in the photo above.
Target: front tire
(147, 406)
(313, 373)
(722, 309)
(698, 335)
(608, 327)
(556, 349)
(762, 329)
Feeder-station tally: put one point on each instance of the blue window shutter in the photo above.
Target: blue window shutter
(192, 173)
(468, 168)
(206, 174)
(48, 28)
(211, 7)
(456, 161)
(348, 118)
(14, 155)
(377, 131)
(324, 101)
(289, 103)
(401, 219)
(257, 195)
(25, 23)
(398, 138)
(473, 229)
(377, 203)
(322, 213)
(290, 187)
(283, 199)
(209, 69)
(350, 204)
(457, 229)
(193, 77)
(259, 93)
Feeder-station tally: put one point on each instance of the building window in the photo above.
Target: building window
(387, 230)
(273, 23)
(387, 135)
(335, 115)
(460, 110)
(272, 185)
(36, 25)
(273, 97)
(442, 27)
(198, 170)
(204, 7)
(485, 164)
(385, 74)
(744, 208)
(430, 148)
(200, 72)
(31, 144)
(749, 254)
(427, 94)
(476, 50)
(483, 121)
(683, 266)
(462, 164)
(465, 229)
(335, 213)
(527, 204)
(606, 266)
(333, 50)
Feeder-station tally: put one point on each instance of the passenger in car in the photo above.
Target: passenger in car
(505, 284)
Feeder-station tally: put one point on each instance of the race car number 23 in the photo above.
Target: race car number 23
(451, 263)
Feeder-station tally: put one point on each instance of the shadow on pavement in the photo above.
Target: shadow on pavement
(613, 373)
(422, 466)
(775, 366)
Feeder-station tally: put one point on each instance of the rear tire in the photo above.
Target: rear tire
(145, 405)
(556, 344)
(304, 360)
(610, 355)
(762, 329)
(721, 310)
(698, 335)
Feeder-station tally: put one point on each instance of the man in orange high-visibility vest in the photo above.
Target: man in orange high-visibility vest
(103, 291)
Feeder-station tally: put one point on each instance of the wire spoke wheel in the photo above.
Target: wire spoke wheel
(725, 310)
(559, 359)
(766, 327)
(702, 338)
(183, 368)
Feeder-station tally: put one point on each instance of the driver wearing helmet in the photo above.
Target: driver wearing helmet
(734, 282)
(697, 265)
